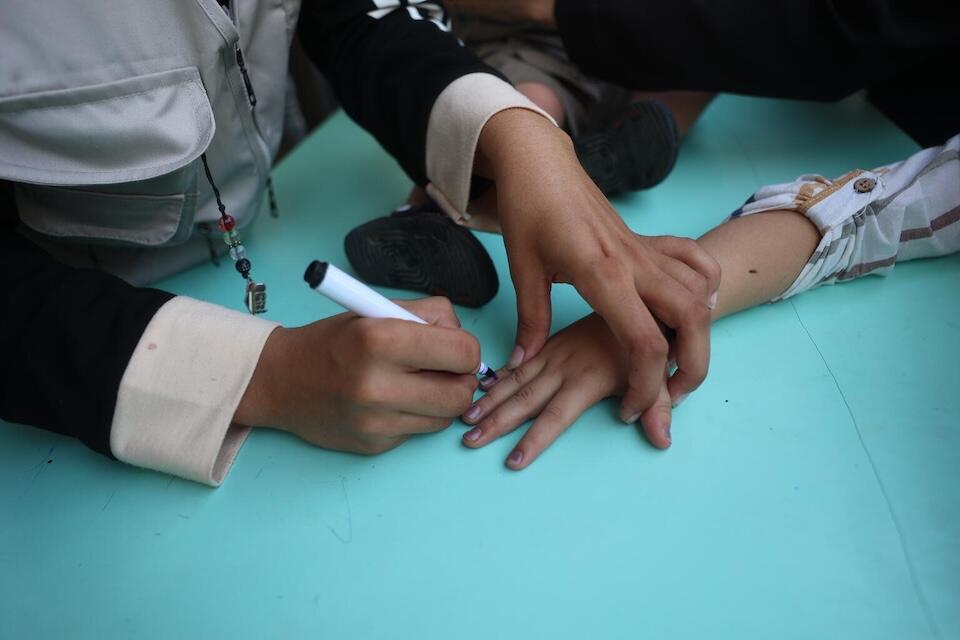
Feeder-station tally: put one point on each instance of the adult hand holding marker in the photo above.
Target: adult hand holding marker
(353, 295)
(365, 384)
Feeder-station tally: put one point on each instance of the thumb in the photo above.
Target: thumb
(533, 316)
(656, 420)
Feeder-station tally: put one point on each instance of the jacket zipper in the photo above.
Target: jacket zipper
(228, 9)
(252, 99)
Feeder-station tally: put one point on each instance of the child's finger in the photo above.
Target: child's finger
(503, 389)
(490, 381)
(527, 402)
(656, 420)
(555, 418)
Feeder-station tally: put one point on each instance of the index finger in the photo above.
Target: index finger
(689, 316)
(435, 310)
(616, 300)
(431, 348)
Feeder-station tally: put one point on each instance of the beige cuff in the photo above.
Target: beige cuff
(181, 388)
(458, 116)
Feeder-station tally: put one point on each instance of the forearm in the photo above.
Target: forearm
(411, 84)
(136, 374)
(387, 68)
(791, 237)
(66, 337)
(760, 256)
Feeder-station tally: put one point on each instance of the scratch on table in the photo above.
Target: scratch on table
(921, 599)
(258, 473)
(346, 501)
(109, 500)
(38, 469)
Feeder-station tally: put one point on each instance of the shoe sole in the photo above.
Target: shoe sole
(423, 252)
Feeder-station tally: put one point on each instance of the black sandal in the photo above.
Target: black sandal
(417, 247)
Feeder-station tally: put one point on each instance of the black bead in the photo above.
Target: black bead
(243, 266)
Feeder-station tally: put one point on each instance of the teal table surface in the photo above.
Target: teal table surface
(811, 491)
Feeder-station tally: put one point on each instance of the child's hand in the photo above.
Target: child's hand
(578, 367)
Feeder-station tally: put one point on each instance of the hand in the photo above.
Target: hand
(578, 367)
(364, 385)
(558, 227)
(539, 11)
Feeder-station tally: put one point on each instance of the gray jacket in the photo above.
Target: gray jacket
(103, 142)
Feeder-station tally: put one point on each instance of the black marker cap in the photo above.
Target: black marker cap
(315, 273)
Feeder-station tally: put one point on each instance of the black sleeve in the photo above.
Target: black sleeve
(804, 49)
(66, 336)
(387, 65)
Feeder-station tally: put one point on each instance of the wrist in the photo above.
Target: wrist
(517, 135)
(260, 401)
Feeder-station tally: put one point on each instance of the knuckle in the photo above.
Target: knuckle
(607, 269)
(519, 377)
(697, 312)
(461, 400)
(553, 413)
(361, 389)
(375, 338)
(440, 304)
(651, 346)
(523, 395)
(440, 307)
(493, 424)
(686, 245)
(470, 350)
(714, 270)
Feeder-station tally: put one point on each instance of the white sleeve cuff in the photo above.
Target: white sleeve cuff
(870, 220)
(457, 118)
(179, 392)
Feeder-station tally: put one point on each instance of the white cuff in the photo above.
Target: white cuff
(457, 118)
(181, 388)
(870, 220)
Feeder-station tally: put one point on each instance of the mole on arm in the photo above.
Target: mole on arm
(753, 270)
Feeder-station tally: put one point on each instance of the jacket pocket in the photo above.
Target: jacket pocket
(114, 162)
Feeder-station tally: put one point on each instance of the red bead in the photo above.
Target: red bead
(226, 223)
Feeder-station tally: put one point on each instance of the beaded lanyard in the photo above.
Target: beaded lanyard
(255, 297)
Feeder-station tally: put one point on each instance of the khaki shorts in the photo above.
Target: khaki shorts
(526, 53)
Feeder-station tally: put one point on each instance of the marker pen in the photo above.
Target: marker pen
(355, 296)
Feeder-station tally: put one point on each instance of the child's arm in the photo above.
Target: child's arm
(760, 256)
(784, 240)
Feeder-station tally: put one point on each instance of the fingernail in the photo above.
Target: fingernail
(671, 366)
(680, 398)
(473, 412)
(516, 358)
(712, 302)
(473, 435)
(487, 382)
(666, 433)
(632, 419)
(516, 457)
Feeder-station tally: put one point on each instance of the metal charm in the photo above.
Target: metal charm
(256, 298)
